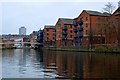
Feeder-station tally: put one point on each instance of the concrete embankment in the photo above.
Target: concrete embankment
(81, 49)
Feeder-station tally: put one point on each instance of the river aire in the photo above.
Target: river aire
(30, 63)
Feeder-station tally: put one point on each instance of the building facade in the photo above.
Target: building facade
(113, 30)
(90, 29)
(94, 24)
(40, 36)
(33, 38)
(1, 41)
(22, 31)
(64, 32)
(49, 34)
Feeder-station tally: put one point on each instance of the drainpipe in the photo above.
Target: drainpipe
(90, 35)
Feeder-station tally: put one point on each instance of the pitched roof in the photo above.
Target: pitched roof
(117, 12)
(96, 13)
(49, 26)
(67, 21)
(106, 14)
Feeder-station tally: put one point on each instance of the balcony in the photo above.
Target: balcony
(76, 36)
(41, 36)
(80, 28)
(64, 28)
(75, 30)
(80, 22)
(64, 33)
(64, 38)
(54, 30)
(54, 39)
(80, 35)
(75, 24)
(54, 34)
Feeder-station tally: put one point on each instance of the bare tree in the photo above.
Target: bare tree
(118, 3)
(109, 7)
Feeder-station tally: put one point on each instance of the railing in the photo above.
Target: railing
(75, 24)
(75, 36)
(19, 43)
(64, 38)
(80, 22)
(80, 28)
(64, 33)
(75, 30)
(80, 35)
(64, 28)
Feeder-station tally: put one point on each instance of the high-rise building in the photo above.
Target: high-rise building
(22, 31)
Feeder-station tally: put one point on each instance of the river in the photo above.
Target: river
(29, 63)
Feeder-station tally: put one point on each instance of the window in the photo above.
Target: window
(86, 38)
(70, 31)
(47, 33)
(59, 32)
(86, 24)
(54, 30)
(98, 39)
(98, 18)
(70, 26)
(98, 24)
(86, 32)
(59, 36)
(70, 36)
(47, 38)
(86, 18)
(59, 24)
(47, 30)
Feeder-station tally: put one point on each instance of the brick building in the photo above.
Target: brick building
(33, 38)
(7, 43)
(94, 24)
(49, 35)
(96, 29)
(64, 32)
(0, 41)
(40, 36)
(113, 29)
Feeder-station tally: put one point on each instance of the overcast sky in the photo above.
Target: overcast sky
(34, 15)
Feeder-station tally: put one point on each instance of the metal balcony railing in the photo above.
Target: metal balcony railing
(64, 33)
(80, 28)
(64, 38)
(75, 24)
(75, 30)
(80, 22)
(75, 36)
(64, 28)
(80, 35)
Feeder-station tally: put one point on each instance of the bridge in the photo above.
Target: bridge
(18, 43)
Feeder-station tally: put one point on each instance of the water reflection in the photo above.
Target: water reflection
(28, 63)
(21, 63)
(83, 65)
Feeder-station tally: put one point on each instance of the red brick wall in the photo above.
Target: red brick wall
(83, 15)
(114, 28)
(59, 35)
(97, 25)
(48, 36)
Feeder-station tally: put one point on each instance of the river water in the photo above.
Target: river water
(29, 63)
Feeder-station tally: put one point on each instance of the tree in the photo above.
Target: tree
(118, 3)
(109, 7)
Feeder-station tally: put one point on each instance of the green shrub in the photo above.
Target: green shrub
(101, 49)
